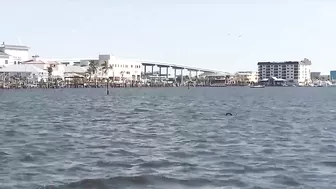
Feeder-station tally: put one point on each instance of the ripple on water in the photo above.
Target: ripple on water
(132, 181)
(168, 138)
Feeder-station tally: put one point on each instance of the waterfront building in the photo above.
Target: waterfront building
(246, 76)
(57, 68)
(333, 75)
(121, 69)
(12, 54)
(31, 72)
(298, 72)
(324, 77)
(315, 76)
(4, 59)
(217, 78)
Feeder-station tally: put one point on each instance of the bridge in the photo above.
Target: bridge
(175, 67)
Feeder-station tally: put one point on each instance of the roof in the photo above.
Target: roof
(15, 47)
(285, 62)
(22, 68)
(75, 69)
(40, 62)
(4, 54)
(217, 74)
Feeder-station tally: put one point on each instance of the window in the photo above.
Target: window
(6, 61)
(131, 66)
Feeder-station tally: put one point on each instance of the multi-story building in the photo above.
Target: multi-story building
(121, 69)
(13, 54)
(292, 71)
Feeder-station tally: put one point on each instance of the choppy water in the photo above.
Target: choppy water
(168, 138)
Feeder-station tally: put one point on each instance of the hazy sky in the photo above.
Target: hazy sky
(189, 32)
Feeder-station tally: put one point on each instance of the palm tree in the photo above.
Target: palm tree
(227, 78)
(106, 67)
(50, 71)
(89, 72)
(122, 77)
(93, 68)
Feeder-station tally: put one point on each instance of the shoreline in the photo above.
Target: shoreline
(168, 86)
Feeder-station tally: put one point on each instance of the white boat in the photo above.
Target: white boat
(257, 86)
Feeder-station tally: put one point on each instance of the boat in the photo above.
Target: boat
(218, 85)
(257, 86)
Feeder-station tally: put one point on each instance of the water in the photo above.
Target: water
(168, 138)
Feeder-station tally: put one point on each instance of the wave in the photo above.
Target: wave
(140, 181)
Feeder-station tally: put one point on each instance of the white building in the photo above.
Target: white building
(4, 59)
(251, 76)
(17, 53)
(121, 69)
(305, 71)
(58, 69)
(292, 71)
(32, 72)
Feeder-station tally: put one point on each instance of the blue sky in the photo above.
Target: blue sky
(189, 32)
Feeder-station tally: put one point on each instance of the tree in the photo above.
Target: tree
(50, 71)
(106, 67)
(93, 67)
(89, 72)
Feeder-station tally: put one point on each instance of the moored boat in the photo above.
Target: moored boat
(257, 86)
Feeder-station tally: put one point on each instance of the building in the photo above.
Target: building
(33, 73)
(315, 75)
(16, 54)
(58, 69)
(324, 78)
(333, 75)
(121, 70)
(4, 59)
(298, 72)
(247, 76)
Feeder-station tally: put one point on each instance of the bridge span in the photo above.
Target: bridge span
(175, 67)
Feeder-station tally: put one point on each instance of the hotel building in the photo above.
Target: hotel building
(292, 71)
